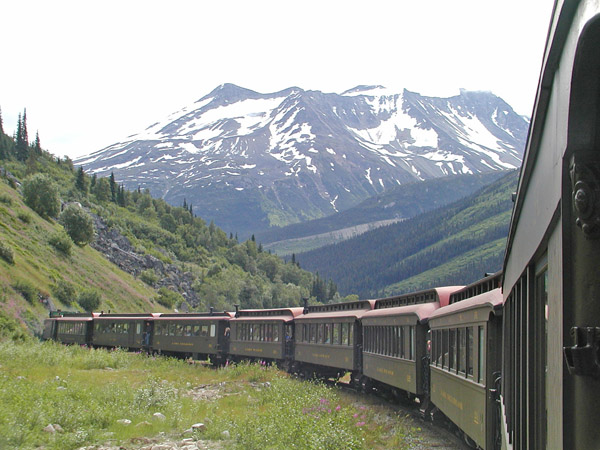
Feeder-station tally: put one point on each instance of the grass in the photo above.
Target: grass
(88, 391)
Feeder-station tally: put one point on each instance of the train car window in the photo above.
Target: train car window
(213, 330)
(319, 333)
(336, 333)
(138, 328)
(276, 333)
(327, 333)
(350, 334)
(401, 337)
(204, 330)
(452, 349)
(445, 358)
(412, 343)
(344, 334)
(313, 332)
(469, 339)
(480, 354)
(250, 332)
(462, 350)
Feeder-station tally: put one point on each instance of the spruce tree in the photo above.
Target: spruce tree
(80, 180)
(22, 142)
(37, 147)
(113, 188)
(121, 196)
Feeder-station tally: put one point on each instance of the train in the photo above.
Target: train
(513, 360)
(435, 349)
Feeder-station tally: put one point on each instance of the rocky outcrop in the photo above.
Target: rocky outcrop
(118, 249)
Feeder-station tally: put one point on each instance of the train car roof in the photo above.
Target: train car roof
(353, 313)
(443, 297)
(421, 310)
(126, 316)
(492, 299)
(73, 318)
(277, 314)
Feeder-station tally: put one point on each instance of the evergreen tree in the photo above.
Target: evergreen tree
(80, 180)
(37, 147)
(1, 125)
(21, 139)
(94, 179)
(113, 188)
(121, 196)
(185, 204)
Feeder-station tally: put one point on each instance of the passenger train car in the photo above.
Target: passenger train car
(551, 369)
(512, 360)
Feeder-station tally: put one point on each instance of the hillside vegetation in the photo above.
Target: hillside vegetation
(189, 264)
(393, 205)
(453, 245)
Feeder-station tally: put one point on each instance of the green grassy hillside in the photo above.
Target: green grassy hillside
(39, 267)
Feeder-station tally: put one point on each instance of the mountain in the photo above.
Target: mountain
(452, 245)
(394, 205)
(251, 161)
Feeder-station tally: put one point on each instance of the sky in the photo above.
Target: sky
(90, 73)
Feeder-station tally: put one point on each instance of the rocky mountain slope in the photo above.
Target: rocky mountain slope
(250, 161)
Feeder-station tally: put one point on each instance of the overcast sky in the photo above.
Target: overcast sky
(92, 72)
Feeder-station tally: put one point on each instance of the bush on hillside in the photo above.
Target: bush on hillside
(24, 217)
(168, 298)
(78, 224)
(89, 299)
(26, 289)
(6, 253)
(149, 277)
(41, 194)
(64, 292)
(61, 242)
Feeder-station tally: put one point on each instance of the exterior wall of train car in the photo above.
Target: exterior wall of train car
(465, 364)
(195, 337)
(329, 338)
(69, 330)
(395, 345)
(120, 330)
(265, 335)
(551, 281)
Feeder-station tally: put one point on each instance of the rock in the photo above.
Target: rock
(50, 429)
(61, 388)
(58, 428)
(124, 421)
(143, 424)
(159, 416)
(225, 435)
(188, 431)
(198, 427)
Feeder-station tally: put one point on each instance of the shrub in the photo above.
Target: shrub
(24, 217)
(89, 299)
(64, 292)
(26, 289)
(61, 242)
(168, 298)
(41, 195)
(149, 277)
(5, 198)
(78, 224)
(6, 253)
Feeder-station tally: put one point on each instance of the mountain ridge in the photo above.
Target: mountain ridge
(295, 155)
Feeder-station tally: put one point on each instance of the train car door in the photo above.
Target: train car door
(288, 329)
(147, 334)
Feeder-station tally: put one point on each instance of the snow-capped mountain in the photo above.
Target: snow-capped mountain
(249, 161)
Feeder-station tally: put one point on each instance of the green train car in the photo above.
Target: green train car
(395, 335)
(265, 335)
(121, 330)
(551, 286)
(329, 340)
(193, 335)
(465, 364)
(69, 328)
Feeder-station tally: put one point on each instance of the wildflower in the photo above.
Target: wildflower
(324, 401)
(355, 415)
(338, 407)
(360, 424)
